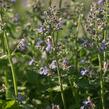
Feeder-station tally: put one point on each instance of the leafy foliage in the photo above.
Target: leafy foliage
(54, 57)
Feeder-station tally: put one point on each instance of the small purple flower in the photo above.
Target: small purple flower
(41, 29)
(103, 46)
(49, 44)
(65, 62)
(60, 24)
(44, 70)
(84, 72)
(39, 43)
(53, 65)
(49, 47)
(31, 61)
(87, 102)
(100, 2)
(20, 97)
(22, 45)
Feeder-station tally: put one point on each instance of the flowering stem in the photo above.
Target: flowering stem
(58, 71)
(101, 71)
(10, 62)
(101, 82)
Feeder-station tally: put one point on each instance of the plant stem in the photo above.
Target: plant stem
(74, 92)
(103, 71)
(10, 62)
(50, 1)
(60, 83)
(58, 71)
(60, 4)
(101, 82)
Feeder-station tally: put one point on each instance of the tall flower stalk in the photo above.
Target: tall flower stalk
(58, 70)
(101, 81)
(103, 62)
(10, 62)
(6, 50)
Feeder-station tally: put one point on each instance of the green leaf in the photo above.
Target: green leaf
(57, 88)
(9, 104)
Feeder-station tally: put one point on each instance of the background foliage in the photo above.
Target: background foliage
(54, 54)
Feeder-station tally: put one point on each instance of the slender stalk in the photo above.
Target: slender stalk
(50, 2)
(76, 45)
(101, 82)
(60, 4)
(10, 62)
(101, 71)
(60, 83)
(5, 70)
(74, 92)
(58, 71)
(76, 54)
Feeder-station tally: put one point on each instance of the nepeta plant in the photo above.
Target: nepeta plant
(54, 57)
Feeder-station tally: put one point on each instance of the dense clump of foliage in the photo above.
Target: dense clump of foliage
(54, 57)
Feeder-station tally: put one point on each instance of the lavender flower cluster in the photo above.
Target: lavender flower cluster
(52, 21)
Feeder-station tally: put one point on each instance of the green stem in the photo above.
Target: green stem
(76, 54)
(60, 83)
(10, 62)
(58, 71)
(50, 2)
(60, 4)
(74, 92)
(101, 82)
(103, 71)
(76, 45)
